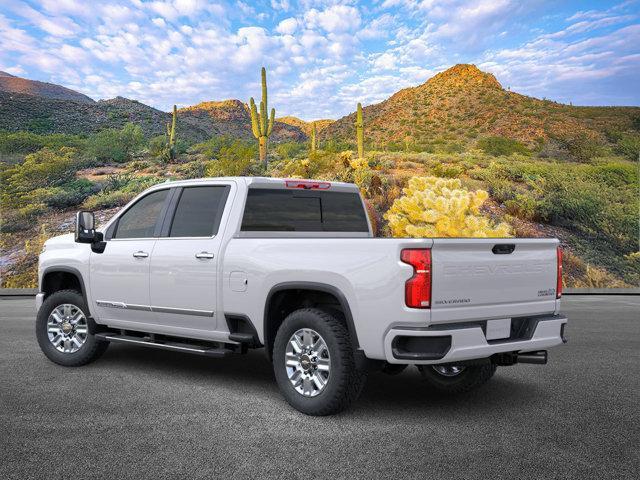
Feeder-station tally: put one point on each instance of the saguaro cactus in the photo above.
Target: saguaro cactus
(171, 135)
(260, 124)
(314, 137)
(360, 132)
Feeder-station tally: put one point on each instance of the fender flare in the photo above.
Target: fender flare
(75, 272)
(321, 287)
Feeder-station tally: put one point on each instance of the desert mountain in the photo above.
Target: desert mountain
(12, 84)
(305, 126)
(463, 103)
(232, 117)
(48, 108)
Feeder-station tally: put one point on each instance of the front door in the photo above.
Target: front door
(184, 266)
(120, 275)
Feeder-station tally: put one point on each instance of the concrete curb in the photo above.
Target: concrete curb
(18, 292)
(601, 291)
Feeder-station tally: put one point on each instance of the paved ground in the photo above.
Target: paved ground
(140, 413)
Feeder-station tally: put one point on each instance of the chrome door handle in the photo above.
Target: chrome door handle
(204, 255)
(140, 254)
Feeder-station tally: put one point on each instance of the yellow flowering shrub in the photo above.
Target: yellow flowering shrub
(441, 207)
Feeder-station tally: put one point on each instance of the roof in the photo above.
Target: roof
(257, 181)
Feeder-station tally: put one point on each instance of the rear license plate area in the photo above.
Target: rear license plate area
(498, 329)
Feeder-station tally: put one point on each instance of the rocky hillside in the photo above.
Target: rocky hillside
(232, 118)
(48, 108)
(305, 126)
(464, 103)
(12, 84)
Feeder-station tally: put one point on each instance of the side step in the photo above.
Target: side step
(148, 341)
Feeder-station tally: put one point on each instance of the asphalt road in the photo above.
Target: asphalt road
(142, 413)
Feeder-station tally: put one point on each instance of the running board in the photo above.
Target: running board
(173, 346)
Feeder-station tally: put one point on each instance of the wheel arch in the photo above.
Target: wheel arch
(57, 278)
(301, 291)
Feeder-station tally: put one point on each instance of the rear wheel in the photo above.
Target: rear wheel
(65, 332)
(453, 379)
(314, 363)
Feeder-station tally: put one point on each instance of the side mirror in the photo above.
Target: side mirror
(85, 227)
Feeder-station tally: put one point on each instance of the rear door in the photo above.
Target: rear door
(493, 278)
(184, 267)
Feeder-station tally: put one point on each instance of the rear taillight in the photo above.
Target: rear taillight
(417, 290)
(559, 284)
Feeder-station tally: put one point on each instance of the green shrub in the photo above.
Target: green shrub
(107, 200)
(289, 150)
(629, 146)
(28, 142)
(581, 146)
(231, 157)
(498, 146)
(195, 169)
(157, 145)
(44, 169)
(447, 170)
(523, 206)
(116, 145)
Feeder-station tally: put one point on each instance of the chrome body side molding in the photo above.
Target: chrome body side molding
(151, 308)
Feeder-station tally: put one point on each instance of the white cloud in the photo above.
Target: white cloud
(280, 5)
(287, 26)
(335, 19)
(56, 26)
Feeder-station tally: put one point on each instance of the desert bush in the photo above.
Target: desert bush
(116, 145)
(289, 150)
(28, 142)
(157, 145)
(438, 207)
(629, 146)
(45, 168)
(104, 200)
(67, 195)
(231, 157)
(447, 170)
(195, 169)
(581, 146)
(523, 206)
(498, 146)
(118, 190)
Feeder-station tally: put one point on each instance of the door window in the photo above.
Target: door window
(199, 211)
(140, 220)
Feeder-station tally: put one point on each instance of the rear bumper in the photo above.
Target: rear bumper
(457, 342)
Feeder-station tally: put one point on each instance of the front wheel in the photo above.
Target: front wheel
(314, 363)
(65, 331)
(453, 379)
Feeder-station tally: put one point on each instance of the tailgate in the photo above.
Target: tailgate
(492, 278)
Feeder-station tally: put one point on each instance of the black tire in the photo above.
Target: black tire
(472, 377)
(90, 350)
(345, 380)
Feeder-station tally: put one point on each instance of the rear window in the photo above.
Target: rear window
(303, 211)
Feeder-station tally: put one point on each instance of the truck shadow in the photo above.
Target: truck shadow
(382, 393)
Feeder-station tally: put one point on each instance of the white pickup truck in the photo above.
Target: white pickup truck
(222, 265)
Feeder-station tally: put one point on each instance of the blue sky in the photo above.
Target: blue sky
(321, 56)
